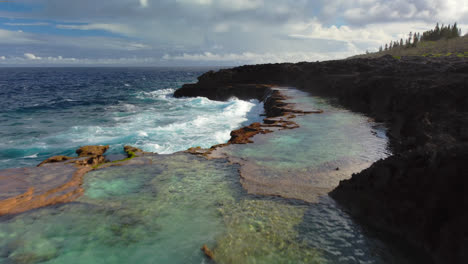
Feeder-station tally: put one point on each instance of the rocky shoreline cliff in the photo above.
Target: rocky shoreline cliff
(419, 193)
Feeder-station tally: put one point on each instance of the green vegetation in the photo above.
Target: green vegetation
(130, 155)
(441, 41)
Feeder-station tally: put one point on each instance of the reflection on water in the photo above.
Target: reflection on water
(163, 208)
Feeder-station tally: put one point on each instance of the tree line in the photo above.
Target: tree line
(439, 32)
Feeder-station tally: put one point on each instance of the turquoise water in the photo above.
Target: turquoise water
(309, 161)
(164, 211)
(164, 208)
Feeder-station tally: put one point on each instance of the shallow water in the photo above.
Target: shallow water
(163, 208)
(164, 211)
(309, 161)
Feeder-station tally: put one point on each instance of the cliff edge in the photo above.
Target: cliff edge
(421, 192)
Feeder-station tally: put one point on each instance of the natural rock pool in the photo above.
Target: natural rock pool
(163, 208)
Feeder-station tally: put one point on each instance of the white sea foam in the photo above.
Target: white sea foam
(158, 94)
(168, 125)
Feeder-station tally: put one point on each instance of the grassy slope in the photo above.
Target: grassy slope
(456, 47)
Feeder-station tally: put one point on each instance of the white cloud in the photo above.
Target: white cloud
(221, 28)
(31, 59)
(17, 37)
(240, 4)
(234, 5)
(27, 24)
(144, 3)
(250, 57)
(114, 28)
(195, 2)
(372, 35)
(31, 56)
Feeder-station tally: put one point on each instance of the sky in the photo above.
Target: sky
(209, 32)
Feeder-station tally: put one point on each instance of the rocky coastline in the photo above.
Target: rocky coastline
(419, 193)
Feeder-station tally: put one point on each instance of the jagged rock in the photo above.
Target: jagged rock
(90, 161)
(132, 151)
(243, 135)
(54, 159)
(87, 151)
(420, 192)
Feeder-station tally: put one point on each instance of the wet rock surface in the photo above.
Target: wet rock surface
(420, 192)
(87, 151)
(56, 180)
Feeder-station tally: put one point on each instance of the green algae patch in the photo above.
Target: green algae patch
(130, 154)
(263, 231)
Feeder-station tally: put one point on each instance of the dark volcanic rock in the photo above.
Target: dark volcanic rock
(421, 192)
(420, 195)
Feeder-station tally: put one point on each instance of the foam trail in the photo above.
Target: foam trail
(165, 126)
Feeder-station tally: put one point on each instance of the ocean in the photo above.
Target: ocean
(53, 111)
(267, 204)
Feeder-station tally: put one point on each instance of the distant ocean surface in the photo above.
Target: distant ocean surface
(53, 111)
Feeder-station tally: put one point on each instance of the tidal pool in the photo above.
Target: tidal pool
(308, 162)
(164, 208)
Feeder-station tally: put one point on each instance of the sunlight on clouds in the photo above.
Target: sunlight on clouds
(31, 56)
(144, 3)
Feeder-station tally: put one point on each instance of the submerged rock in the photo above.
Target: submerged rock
(207, 252)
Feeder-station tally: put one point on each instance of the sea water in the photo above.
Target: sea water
(53, 111)
(163, 210)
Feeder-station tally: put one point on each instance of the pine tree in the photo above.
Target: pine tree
(455, 31)
(437, 30)
(386, 46)
(380, 49)
(415, 40)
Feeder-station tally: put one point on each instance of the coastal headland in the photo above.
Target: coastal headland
(419, 193)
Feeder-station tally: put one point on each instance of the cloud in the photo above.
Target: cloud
(31, 56)
(215, 31)
(250, 57)
(144, 3)
(114, 28)
(2, 57)
(16, 37)
(27, 24)
(221, 28)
